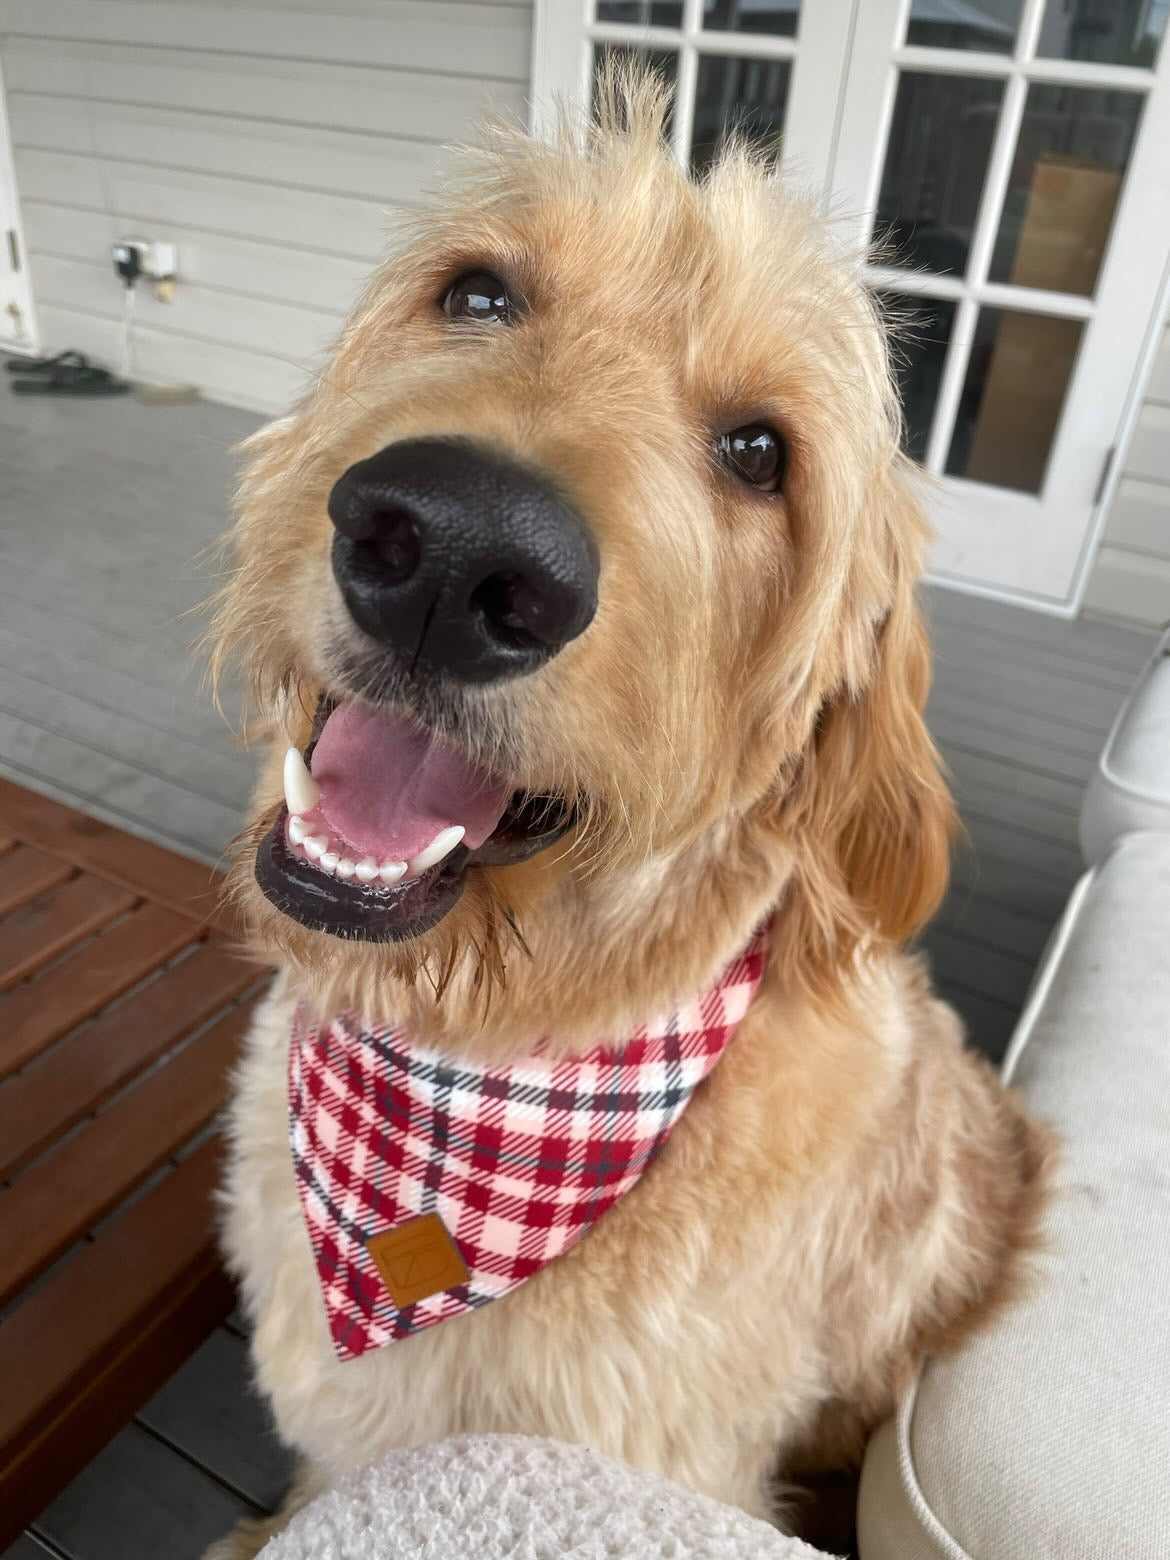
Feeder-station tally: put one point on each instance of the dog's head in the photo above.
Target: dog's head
(593, 550)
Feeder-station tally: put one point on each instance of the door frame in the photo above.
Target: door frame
(563, 37)
(14, 247)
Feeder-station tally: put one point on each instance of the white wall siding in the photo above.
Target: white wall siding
(271, 140)
(1131, 573)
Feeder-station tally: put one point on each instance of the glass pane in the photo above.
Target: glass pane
(952, 24)
(777, 17)
(641, 13)
(664, 61)
(1017, 377)
(1066, 178)
(936, 161)
(744, 95)
(1110, 32)
(920, 331)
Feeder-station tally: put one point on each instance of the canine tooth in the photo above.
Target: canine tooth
(391, 871)
(345, 868)
(443, 843)
(315, 846)
(366, 870)
(301, 791)
(297, 830)
(328, 862)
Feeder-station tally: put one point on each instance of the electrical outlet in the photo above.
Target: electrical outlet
(135, 257)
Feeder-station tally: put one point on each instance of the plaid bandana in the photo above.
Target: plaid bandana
(431, 1186)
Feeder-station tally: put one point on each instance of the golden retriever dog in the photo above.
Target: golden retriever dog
(593, 556)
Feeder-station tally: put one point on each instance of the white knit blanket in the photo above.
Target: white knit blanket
(511, 1497)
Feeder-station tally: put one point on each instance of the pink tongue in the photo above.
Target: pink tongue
(388, 788)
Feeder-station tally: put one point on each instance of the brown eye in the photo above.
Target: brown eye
(478, 295)
(756, 454)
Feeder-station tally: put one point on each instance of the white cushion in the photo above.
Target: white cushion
(1131, 786)
(513, 1497)
(1048, 1436)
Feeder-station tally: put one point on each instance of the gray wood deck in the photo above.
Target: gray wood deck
(105, 508)
(109, 515)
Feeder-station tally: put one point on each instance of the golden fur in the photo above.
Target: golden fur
(742, 729)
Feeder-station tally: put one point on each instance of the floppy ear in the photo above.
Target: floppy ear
(892, 816)
(870, 813)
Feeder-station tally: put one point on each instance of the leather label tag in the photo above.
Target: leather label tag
(417, 1260)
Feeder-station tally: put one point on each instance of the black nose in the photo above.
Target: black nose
(462, 561)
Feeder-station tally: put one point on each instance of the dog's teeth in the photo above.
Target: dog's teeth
(329, 861)
(391, 871)
(366, 870)
(345, 867)
(301, 791)
(297, 830)
(315, 846)
(443, 843)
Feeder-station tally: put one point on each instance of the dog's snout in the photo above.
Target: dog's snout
(460, 560)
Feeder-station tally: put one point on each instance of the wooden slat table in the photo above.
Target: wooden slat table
(122, 1004)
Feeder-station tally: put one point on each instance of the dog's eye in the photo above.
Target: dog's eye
(478, 295)
(756, 454)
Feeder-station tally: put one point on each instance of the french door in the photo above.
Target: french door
(1012, 157)
(17, 322)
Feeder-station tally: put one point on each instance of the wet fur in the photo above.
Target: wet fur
(742, 727)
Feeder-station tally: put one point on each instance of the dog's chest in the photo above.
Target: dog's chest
(615, 1342)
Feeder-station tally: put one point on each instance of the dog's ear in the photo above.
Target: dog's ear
(869, 813)
(894, 820)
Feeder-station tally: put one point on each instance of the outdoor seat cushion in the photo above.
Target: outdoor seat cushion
(1047, 1437)
(1130, 788)
(515, 1497)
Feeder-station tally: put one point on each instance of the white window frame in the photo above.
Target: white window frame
(989, 534)
(564, 35)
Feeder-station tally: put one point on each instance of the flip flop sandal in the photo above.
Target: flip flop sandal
(46, 365)
(72, 380)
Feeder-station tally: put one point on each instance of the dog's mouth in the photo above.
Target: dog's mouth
(382, 822)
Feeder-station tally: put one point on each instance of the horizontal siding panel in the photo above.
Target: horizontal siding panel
(327, 283)
(1149, 448)
(329, 160)
(1130, 585)
(299, 335)
(455, 38)
(158, 198)
(277, 143)
(351, 7)
(224, 373)
(363, 98)
(1140, 517)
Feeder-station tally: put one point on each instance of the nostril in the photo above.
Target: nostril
(397, 541)
(515, 611)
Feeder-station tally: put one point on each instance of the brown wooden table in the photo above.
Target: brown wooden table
(121, 1008)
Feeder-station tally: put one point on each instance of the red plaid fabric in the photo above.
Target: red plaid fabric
(517, 1161)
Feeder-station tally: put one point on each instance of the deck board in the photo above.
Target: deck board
(140, 1500)
(209, 1411)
